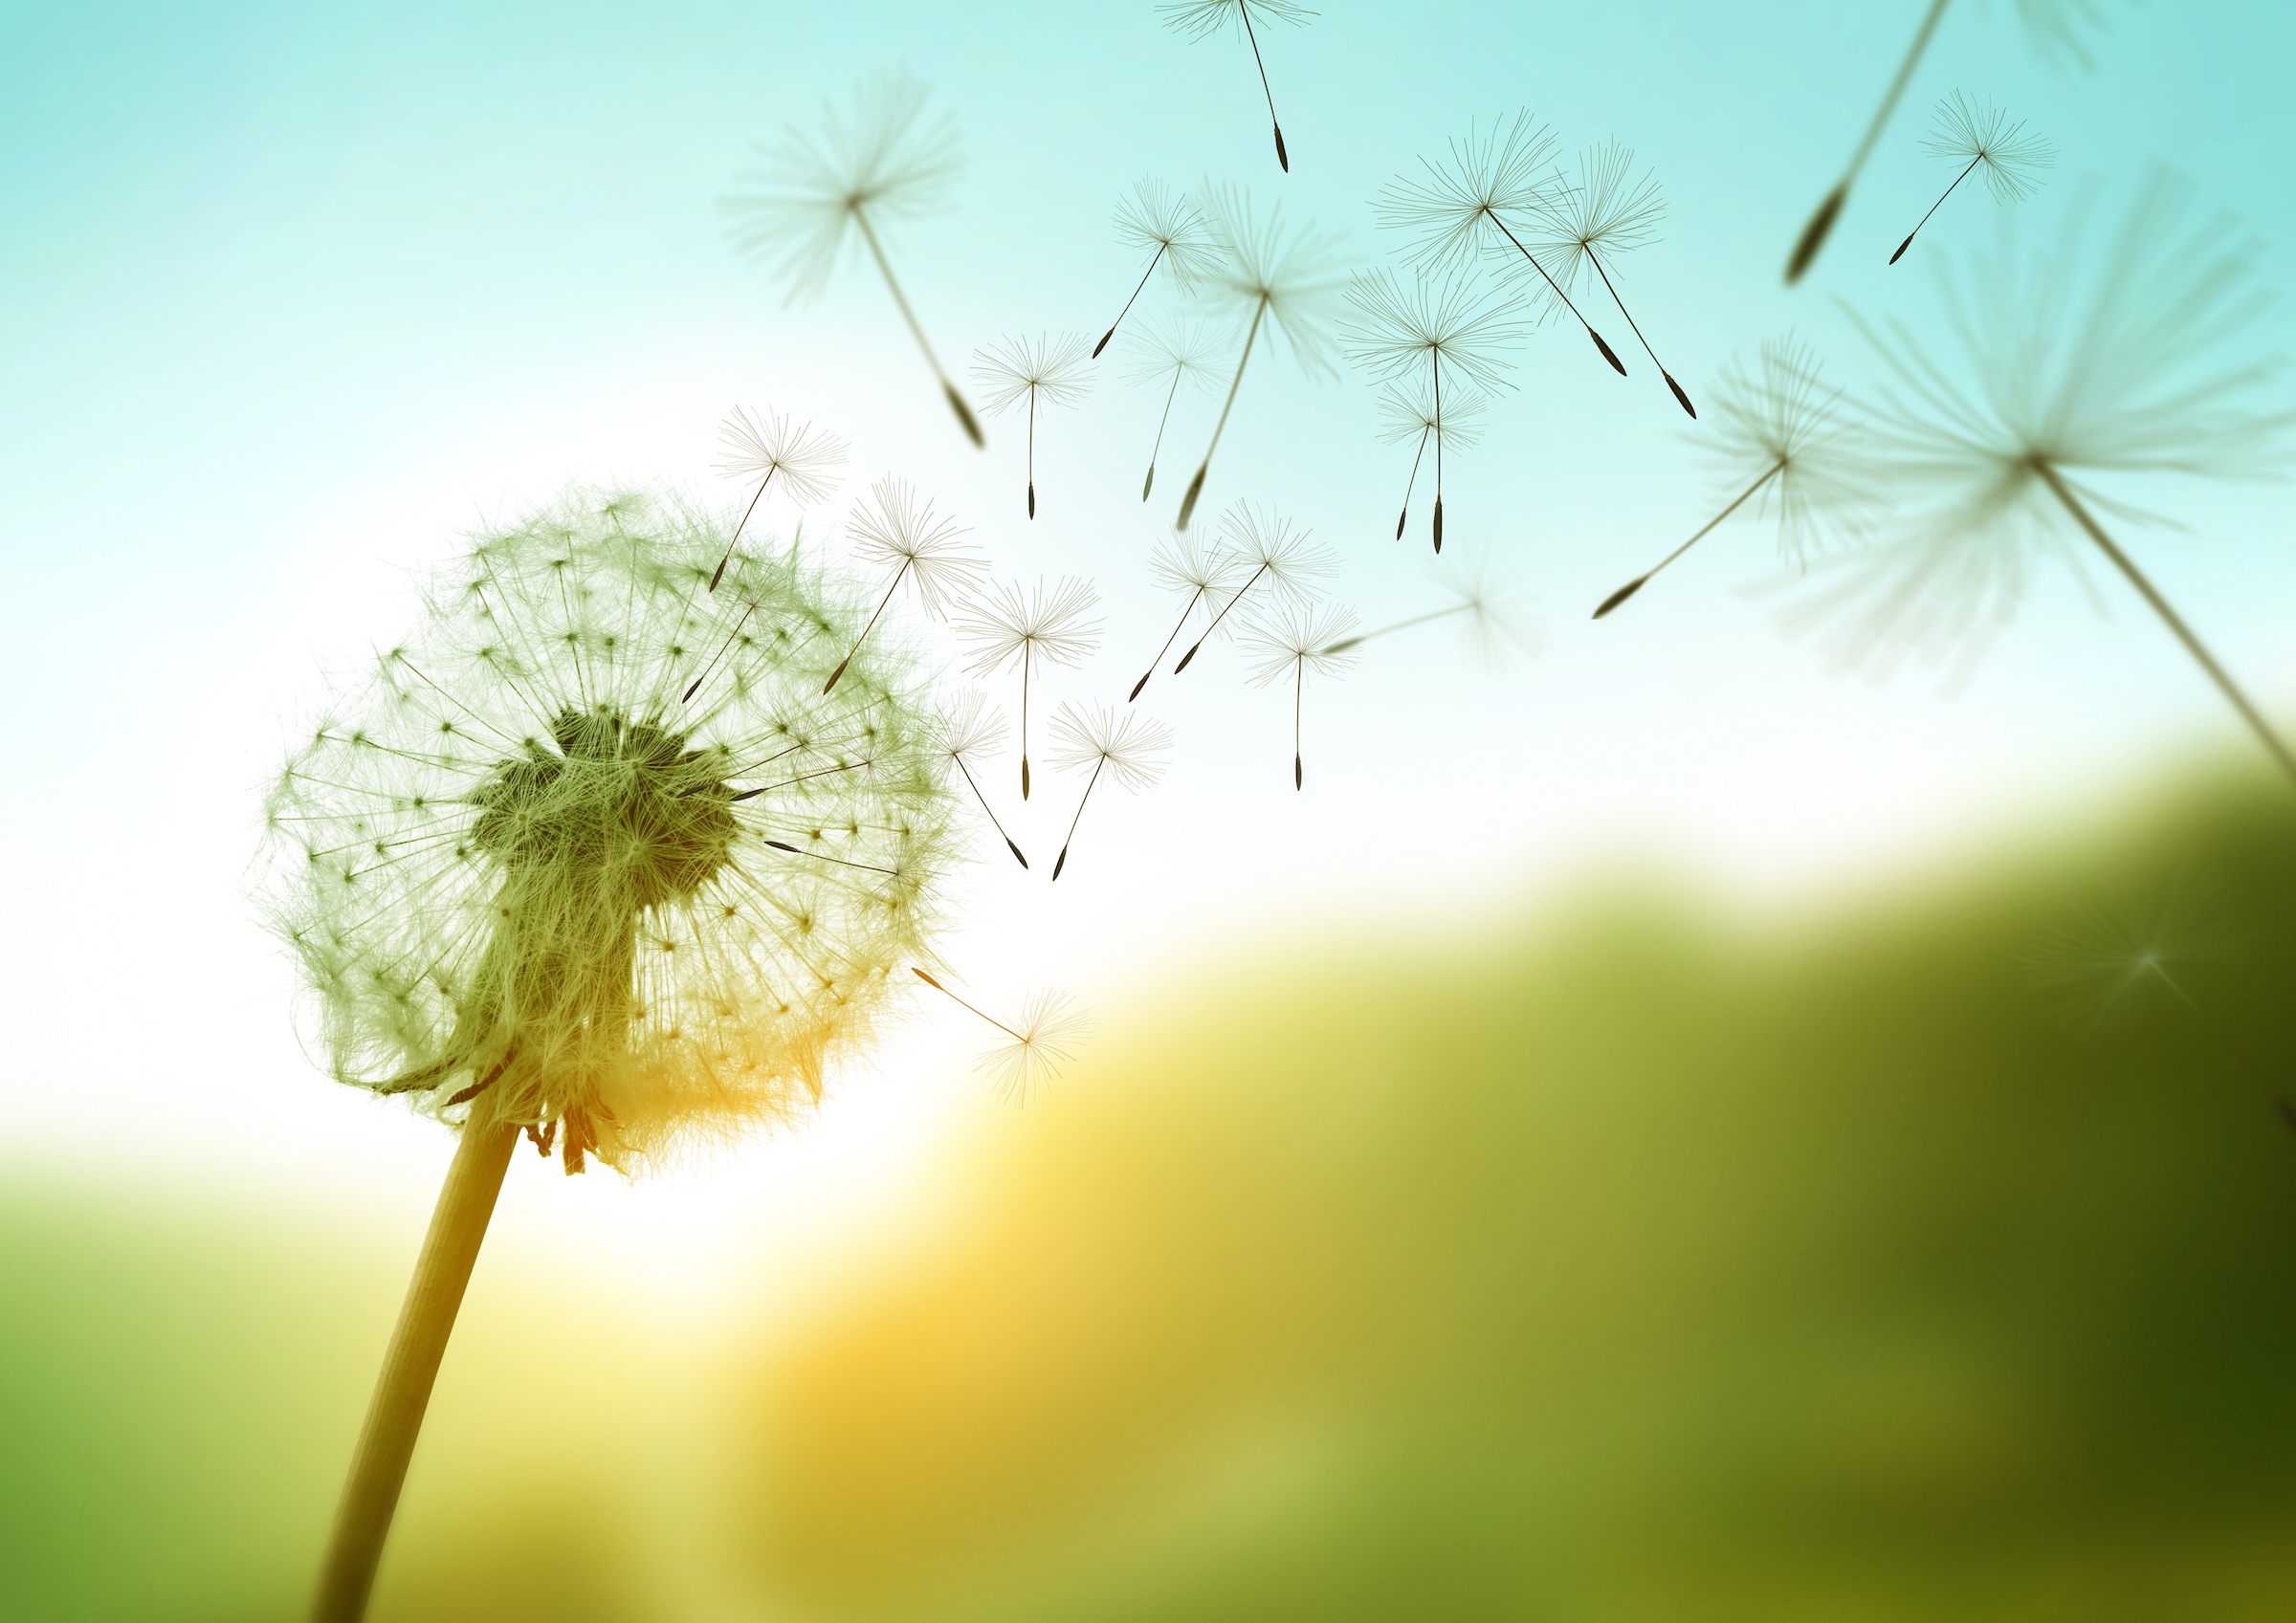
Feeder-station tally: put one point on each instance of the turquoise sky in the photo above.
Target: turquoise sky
(290, 294)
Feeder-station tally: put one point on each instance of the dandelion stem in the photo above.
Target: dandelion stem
(1596, 260)
(1933, 208)
(1177, 626)
(394, 1417)
(1026, 652)
(1188, 505)
(718, 573)
(1617, 365)
(1178, 373)
(839, 673)
(1216, 618)
(1346, 643)
(1281, 157)
(2121, 561)
(1437, 356)
(986, 807)
(1403, 517)
(1822, 223)
(965, 412)
(1128, 303)
(1299, 688)
(963, 1004)
(1033, 450)
(1642, 580)
(1069, 838)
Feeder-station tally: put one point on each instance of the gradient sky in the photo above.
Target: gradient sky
(291, 295)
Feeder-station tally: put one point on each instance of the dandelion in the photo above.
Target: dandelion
(1127, 746)
(1502, 182)
(1183, 352)
(1269, 277)
(530, 893)
(1782, 434)
(1411, 412)
(759, 451)
(1298, 643)
(1988, 140)
(2054, 29)
(1171, 231)
(1484, 607)
(1009, 628)
(1396, 333)
(1606, 214)
(1047, 368)
(1050, 1027)
(1200, 19)
(883, 163)
(1199, 572)
(1275, 553)
(919, 546)
(965, 732)
(2075, 361)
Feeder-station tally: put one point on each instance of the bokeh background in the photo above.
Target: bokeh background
(1655, 1131)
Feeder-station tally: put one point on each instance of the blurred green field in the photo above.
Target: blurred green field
(1929, 1259)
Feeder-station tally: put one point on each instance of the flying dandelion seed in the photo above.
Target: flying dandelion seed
(2110, 967)
(1201, 19)
(1484, 610)
(883, 163)
(1607, 214)
(2054, 27)
(1171, 231)
(1183, 352)
(1275, 553)
(761, 451)
(1050, 1029)
(1125, 745)
(1271, 276)
(530, 892)
(1298, 643)
(1782, 434)
(919, 546)
(1046, 368)
(1502, 185)
(1396, 333)
(1197, 572)
(1411, 413)
(1987, 140)
(1009, 627)
(2100, 363)
(966, 732)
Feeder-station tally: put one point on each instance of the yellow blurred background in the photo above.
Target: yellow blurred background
(1928, 1255)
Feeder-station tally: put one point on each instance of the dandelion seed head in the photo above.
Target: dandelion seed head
(1299, 641)
(1494, 627)
(1049, 367)
(775, 446)
(1460, 206)
(1966, 132)
(1201, 19)
(1047, 626)
(527, 883)
(1289, 275)
(884, 161)
(967, 730)
(1781, 424)
(1051, 1027)
(2119, 359)
(1127, 744)
(1606, 214)
(1181, 562)
(1186, 347)
(1407, 410)
(1396, 330)
(1155, 220)
(2111, 966)
(896, 529)
(1276, 550)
